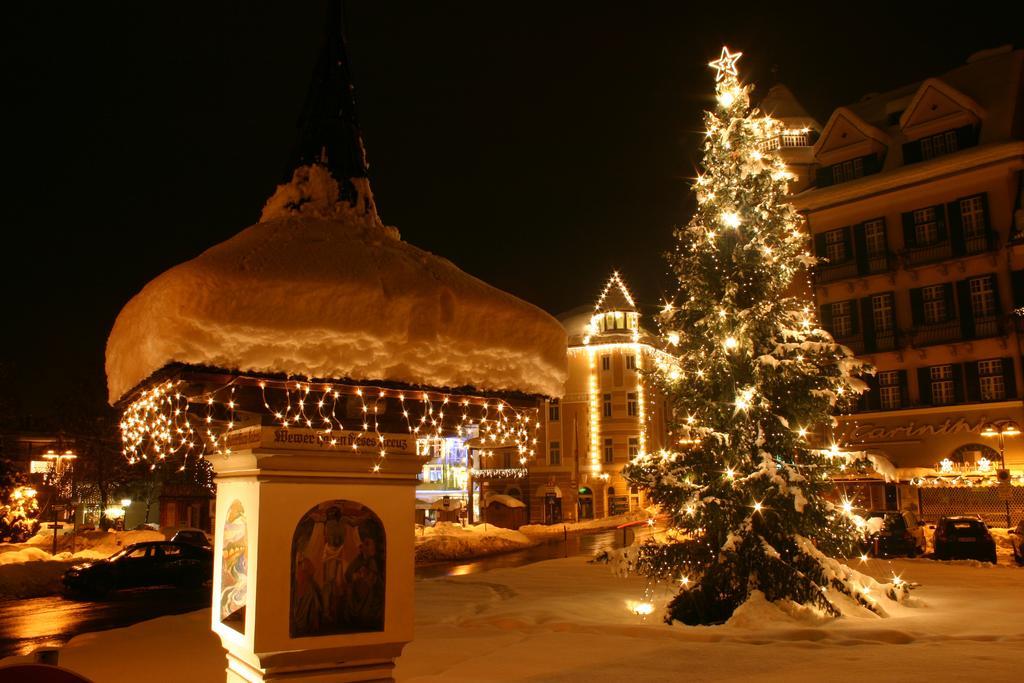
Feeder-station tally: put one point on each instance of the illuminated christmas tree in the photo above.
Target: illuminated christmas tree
(752, 383)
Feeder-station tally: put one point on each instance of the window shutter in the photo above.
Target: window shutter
(911, 152)
(916, 306)
(868, 321)
(971, 380)
(995, 295)
(909, 237)
(940, 222)
(949, 294)
(1009, 378)
(872, 398)
(1017, 280)
(958, 382)
(848, 242)
(963, 291)
(924, 385)
(966, 136)
(824, 176)
(860, 248)
(826, 317)
(956, 228)
(870, 164)
(854, 315)
(819, 245)
(904, 389)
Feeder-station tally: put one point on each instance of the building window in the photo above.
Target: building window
(926, 227)
(634, 446)
(842, 319)
(972, 218)
(934, 300)
(943, 391)
(881, 313)
(874, 237)
(631, 405)
(554, 411)
(607, 405)
(889, 389)
(606, 362)
(609, 452)
(848, 170)
(631, 362)
(835, 246)
(555, 457)
(991, 380)
(937, 145)
(983, 297)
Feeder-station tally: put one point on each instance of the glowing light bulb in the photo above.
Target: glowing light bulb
(673, 338)
(730, 343)
(757, 507)
(731, 219)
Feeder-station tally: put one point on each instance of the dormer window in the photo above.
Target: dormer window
(937, 145)
(614, 321)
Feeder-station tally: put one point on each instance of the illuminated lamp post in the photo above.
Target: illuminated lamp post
(1001, 431)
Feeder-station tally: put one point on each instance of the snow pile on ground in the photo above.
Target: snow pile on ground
(566, 620)
(550, 530)
(448, 541)
(29, 570)
(322, 289)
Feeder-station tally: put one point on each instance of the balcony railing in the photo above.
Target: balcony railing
(828, 272)
(880, 263)
(884, 341)
(937, 333)
(981, 243)
(988, 326)
(928, 254)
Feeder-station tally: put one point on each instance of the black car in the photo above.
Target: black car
(1017, 541)
(897, 537)
(155, 563)
(964, 537)
(192, 537)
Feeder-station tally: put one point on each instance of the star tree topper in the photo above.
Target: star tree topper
(726, 64)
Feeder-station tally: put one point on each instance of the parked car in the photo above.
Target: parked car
(155, 563)
(1017, 541)
(964, 537)
(192, 536)
(900, 534)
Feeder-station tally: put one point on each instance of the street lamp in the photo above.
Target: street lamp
(1001, 431)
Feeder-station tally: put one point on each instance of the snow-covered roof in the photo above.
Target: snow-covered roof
(321, 288)
(503, 499)
(780, 103)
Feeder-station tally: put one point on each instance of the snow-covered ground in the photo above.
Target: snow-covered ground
(567, 620)
(548, 531)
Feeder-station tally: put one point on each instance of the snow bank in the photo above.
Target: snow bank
(448, 541)
(29, 570)
(550, 530)
(565, 621)
(322, 289)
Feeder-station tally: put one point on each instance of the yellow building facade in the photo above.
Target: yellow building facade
(607, 414)
(915, 211)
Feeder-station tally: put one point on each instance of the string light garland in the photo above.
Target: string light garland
(165, 420)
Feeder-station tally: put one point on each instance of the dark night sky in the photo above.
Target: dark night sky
(535, 144)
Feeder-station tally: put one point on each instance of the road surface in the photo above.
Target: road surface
(26, 625)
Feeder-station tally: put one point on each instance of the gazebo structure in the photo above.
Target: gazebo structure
(307, 358)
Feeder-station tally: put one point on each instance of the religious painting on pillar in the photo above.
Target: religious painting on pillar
(234, 568)
(338, 563)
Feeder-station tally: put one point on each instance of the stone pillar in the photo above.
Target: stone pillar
(313, 558)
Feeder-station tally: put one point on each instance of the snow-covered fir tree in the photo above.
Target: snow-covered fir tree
(752, 386)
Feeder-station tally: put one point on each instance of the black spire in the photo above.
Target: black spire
(328, 130)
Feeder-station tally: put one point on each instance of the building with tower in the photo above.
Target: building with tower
(607, 414)
(915, 211)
